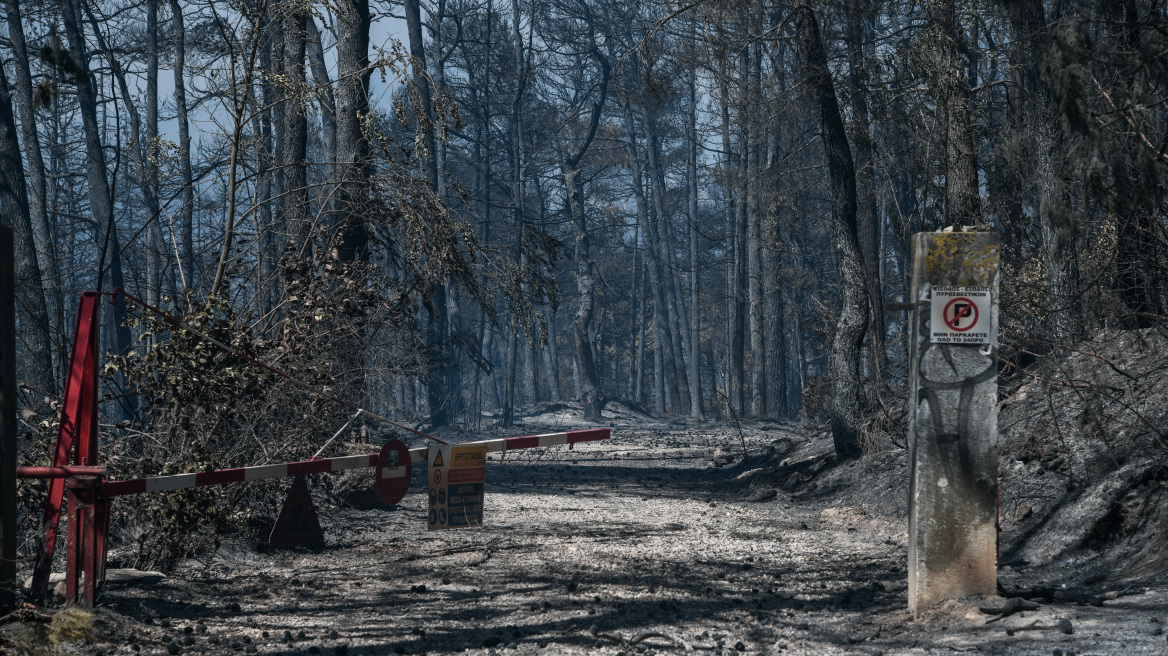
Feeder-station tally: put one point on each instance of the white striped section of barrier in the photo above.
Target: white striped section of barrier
(164, 483)
(326, 465)
(265, 471)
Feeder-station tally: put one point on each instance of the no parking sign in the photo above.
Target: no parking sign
(961, 315)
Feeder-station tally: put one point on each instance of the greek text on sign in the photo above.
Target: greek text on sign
(961, 315)
(456, 475)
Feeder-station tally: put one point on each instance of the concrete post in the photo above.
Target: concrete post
(7, 422)
(953, 430)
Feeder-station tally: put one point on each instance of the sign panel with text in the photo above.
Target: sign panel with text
(961, 315)
(456, 477)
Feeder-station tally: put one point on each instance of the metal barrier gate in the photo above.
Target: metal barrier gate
(75, 468)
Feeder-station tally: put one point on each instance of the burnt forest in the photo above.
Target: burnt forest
(731, 327)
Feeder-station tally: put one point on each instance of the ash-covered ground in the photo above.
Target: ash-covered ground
(666, 529)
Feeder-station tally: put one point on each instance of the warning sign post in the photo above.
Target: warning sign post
(456, 478)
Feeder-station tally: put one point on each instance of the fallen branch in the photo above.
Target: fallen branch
(1059, 594)
(632, 642)
(1062, 626)
(1012, 605)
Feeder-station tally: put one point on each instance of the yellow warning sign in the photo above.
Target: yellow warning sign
(468, 456)
(456, 480)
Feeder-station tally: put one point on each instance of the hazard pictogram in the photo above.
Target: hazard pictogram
(438, 461)
(960, 314)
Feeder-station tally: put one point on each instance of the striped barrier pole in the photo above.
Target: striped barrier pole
(90, 495)
(111, 489)
(75, 455)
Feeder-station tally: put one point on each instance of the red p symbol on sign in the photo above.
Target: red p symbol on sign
(961, 314)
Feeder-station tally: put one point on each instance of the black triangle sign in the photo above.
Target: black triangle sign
(438, 460)
(297, 525)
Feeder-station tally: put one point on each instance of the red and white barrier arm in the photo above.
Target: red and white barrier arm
(327, 465)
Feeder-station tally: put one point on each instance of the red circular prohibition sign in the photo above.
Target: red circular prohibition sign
(970, 310)
(392, 489)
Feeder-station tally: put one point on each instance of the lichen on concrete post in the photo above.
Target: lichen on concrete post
(953, 421)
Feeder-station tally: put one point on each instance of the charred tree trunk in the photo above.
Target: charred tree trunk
(776, 346)
(590, 389)
(691, 183)
(754, 265)
(552, 358)
(844, 407)
(868, 218)
(293, 162)
(437, 68)
(661, 339)
(100, 199)
(50, 282)
(774, 300)
(739, 288)
(354, 200)
(639, 390)
(275, 96)
(156, 258)
(324, 95)
(755, 274)
(453, 377)
(1055, 224)
(437, 342)
(34, 324)
(145, 162)
(673, 310)
(267, 174)
(735, 347)
(1138, 255)
(951, 92)
(635, 292)
(352, 97)
(585, 284)
(518, 192)
(261, 195)
(187, 213)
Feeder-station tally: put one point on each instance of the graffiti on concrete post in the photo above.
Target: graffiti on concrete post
(953, 417)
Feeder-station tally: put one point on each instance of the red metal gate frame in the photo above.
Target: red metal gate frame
(90, 495)
(76, 442)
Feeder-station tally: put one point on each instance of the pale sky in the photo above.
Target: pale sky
(383, 30)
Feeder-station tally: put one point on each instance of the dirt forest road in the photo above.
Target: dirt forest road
(641, 534)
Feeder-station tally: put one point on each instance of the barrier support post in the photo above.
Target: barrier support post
(82, 567)
(7, 422)
(953, 446)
